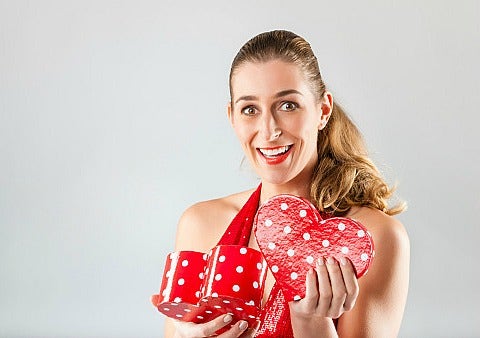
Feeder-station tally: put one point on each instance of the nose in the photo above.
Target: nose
(269, 129)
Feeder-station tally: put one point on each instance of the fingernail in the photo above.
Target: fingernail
(330, 260)
(227, 318)
(243, 325)
(343, 261)
(320, 261)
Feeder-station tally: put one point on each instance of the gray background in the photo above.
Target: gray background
(113, 121)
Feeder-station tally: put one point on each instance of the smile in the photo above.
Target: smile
(275, 155)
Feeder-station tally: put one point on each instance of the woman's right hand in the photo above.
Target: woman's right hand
(208, 329)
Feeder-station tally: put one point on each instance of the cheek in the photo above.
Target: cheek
(308, 135)
(304, 128)
(243, 131)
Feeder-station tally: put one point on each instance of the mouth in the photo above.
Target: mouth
(275, 155)
(272, 152)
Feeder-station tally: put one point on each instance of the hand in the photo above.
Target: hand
(192, 330)
(331, 290)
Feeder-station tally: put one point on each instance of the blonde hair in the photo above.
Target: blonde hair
(344, 175)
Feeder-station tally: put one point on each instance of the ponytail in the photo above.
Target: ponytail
(344, 175)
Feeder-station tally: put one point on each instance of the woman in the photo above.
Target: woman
(299, 142)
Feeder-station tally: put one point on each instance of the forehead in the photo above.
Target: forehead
(265, 79)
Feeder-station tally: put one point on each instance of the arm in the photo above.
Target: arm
(199, 229)
(188, 229)
(370, 307)
(383, 290)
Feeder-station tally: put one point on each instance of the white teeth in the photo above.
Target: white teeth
(274, 152)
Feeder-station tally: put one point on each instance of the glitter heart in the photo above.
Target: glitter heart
(291, 234)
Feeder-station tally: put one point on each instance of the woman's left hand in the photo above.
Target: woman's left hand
(331, 290)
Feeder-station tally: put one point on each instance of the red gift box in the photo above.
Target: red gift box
(197, 287)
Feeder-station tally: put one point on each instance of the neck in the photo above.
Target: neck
(299, 186)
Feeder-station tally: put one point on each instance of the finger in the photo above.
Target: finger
(205, 329)
(249, 333)
(153, 300)
(324, 288)
(311, 292)
(339, 291)
(351, 283)
(236, 330)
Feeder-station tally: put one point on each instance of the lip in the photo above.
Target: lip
(275, 159)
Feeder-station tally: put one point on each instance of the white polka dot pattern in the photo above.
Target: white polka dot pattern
(198, 290)
(297, 235)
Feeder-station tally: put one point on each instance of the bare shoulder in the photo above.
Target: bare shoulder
(202, 224)
(383, 290)
(385, 229)
(392, 245)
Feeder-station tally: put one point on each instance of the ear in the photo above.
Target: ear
(326, 108)
(230, 113)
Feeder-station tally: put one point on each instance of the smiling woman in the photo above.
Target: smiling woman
(300, 142)
(276, 118)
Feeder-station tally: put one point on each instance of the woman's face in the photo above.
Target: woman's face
(276, 117)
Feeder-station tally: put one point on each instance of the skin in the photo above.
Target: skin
(273, 106)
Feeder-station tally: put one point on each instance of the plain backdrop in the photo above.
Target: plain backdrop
(113, 121)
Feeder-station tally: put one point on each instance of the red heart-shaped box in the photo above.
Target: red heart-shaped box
(292, 235)
(197, 287)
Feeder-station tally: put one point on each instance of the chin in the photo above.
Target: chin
(275, 179)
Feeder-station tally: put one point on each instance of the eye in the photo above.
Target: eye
(288, 106)
(249, 111)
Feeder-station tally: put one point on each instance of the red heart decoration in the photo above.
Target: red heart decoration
(291, 235)
(197, 287)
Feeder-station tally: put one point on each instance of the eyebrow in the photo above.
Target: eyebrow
(279, 94)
